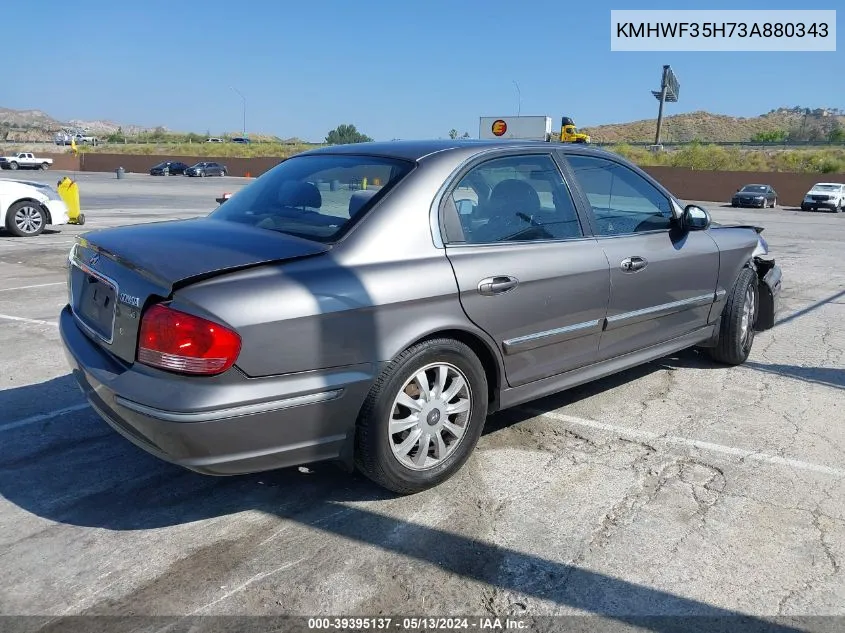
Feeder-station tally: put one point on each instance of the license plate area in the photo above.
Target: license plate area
(94, 303)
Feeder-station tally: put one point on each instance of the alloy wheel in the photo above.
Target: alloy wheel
(429, 416)
(28, 219)
(749, 312)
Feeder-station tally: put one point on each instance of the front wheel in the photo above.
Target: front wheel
(223, 172)
(25, 219)
(13, 165)
(739, 316)
(422, 417)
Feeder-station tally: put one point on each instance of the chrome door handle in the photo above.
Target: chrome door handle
(497, 285)
(633, 264)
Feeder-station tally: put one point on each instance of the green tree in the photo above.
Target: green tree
(453, 133)
(466, 135)
(836, 135)
(345, 134)
(776, 136)
(115, 137)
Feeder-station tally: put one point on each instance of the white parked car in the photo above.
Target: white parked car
(26, 208)
(825, 195)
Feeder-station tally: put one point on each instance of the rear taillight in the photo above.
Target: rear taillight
(185, 343)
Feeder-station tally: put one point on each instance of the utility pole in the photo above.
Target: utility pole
(660, 114)
(519, 98)
(669, 89)
(243, 98)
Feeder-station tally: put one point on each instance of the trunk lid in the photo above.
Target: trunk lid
(115, 273)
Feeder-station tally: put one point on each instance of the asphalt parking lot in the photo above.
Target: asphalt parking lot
(677, 488)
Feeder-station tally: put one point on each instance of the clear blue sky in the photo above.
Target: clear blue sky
(409, 69)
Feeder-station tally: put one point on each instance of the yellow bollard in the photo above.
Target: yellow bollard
(69, 192)
(364, 183)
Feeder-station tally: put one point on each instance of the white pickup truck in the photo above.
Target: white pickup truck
(25, 160)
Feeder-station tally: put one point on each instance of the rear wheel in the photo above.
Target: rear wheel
(422, 417)
(739, 316)
(25, 219)
(45, 166)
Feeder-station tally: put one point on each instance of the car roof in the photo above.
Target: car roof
(416, 150)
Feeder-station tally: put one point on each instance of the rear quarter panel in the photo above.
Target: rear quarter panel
(313, 314)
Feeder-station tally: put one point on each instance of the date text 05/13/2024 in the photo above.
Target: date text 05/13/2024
(417, 623)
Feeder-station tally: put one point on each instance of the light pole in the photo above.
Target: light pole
(519, 98)
(243, 98)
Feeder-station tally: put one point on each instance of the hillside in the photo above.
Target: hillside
(28, 126)
(707, 127)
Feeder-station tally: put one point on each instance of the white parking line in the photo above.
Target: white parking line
(55, 283)
(9, 317)
(637, 435)
(41, 417)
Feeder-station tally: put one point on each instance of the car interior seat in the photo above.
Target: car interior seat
(300, 195)
(358, 200)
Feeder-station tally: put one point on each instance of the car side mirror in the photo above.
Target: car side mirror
(465, 206)
(695, 218)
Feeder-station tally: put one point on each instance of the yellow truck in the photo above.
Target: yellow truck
(570, 134)
(537, 128)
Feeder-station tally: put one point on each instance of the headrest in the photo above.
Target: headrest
(358, 200)
(300, 194)
(516, 192)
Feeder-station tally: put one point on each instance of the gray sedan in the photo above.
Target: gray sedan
(373, 303)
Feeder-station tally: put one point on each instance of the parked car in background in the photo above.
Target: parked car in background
(241, 139)
(204, 169)
(825, 195)
(214, 140)
(24, 160)
(755, 196)
(308, 318)
(26, 208)
(168, 168)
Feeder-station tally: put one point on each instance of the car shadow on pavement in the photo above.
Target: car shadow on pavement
(75, 470)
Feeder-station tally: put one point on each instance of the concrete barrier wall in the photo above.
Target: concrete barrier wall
(137, 163)
(687, 184)
(716, 186)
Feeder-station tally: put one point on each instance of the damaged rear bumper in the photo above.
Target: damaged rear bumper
(769, 283)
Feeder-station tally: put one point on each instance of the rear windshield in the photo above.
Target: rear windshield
(314, 197)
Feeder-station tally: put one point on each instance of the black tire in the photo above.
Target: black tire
(80, 219)
(45, 166)
(774, 203)
(734, 345)
(12, 225)
(373, 453)
(13, 165)
(223, 173)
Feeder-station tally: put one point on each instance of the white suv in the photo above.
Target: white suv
(825, 195)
